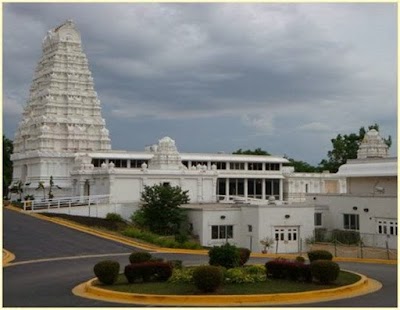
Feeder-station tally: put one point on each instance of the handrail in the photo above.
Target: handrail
(65, 202)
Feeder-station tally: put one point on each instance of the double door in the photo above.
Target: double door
(286, 239)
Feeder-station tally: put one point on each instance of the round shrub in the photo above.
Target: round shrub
(107, 271)
(300, 259)
(244, 255)
(139, 257)
(324, 271)
(114, 217)
(319, 254)
(276, 268)
(208, 278)
(226, 256)
(147, 271)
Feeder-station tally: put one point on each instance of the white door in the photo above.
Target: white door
(287, 239)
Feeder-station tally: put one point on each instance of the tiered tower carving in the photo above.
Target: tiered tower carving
(372, 146)
(63, 113)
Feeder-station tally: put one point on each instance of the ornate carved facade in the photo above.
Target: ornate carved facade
(63, 113)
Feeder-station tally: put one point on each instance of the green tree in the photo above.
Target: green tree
(257, 151)
(345, 147)
(159, 211)
(7, 164)
(301, 166)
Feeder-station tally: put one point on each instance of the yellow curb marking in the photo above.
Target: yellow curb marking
(7, 257)
(362, 287)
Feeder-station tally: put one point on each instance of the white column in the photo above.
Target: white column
(263, 189)
(227, 188)
(280, 189)
(246, 188)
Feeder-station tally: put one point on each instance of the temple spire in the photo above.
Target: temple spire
(63, 112)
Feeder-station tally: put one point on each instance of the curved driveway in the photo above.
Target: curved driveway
(52, 259)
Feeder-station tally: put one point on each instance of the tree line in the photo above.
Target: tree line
(344, 147)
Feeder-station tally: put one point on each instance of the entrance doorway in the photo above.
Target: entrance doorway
(287, 239)
(86, 188)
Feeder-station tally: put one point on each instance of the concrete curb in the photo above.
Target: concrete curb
(7, 257)
(154, 248)
(362, 287)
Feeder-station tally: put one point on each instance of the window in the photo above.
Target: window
(254, 188)
(119, 163)
(137, 163)
(272, 188)
(269, 166)
(318, 219)
(236, 187)
(351, 221)
(250, 228)
(221, 187)
(185, 163)
(387, 227)
(222, 232)
(255, 166)
(220, 165)
(236, 166)
(97, 162)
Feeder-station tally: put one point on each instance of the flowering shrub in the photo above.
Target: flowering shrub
(238, 275)
(184, 275)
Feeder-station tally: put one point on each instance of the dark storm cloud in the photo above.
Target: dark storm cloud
(274, 70)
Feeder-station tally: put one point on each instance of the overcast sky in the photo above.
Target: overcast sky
(218, 77)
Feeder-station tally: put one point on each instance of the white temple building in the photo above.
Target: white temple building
(239, 198)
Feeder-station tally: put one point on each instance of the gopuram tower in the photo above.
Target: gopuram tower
(62, 115)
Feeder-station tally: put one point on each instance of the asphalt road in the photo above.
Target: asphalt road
(70, 256)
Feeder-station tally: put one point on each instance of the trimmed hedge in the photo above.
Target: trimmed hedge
(148, 271)
(139, 257)
(226, 256)
(244, 255)
(324, 271)
(107, 271)
(208, 278)
(291, 270)
(319, 254)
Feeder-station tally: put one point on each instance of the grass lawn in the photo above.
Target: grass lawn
(270, 286)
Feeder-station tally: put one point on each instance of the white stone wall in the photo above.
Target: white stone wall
(379, 186)
(369, 210)
(263, 219)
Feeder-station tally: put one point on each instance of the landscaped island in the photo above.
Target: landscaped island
(226, 274)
